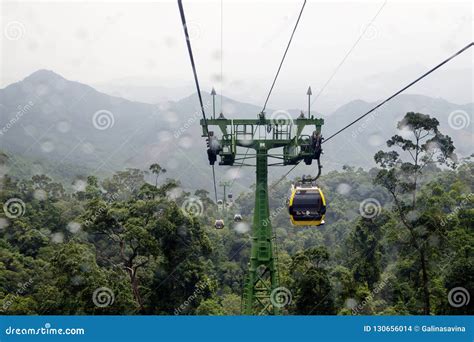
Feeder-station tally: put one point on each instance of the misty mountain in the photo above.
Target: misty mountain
(63, 123)
(360, 142)
(452, 84)
(146, 91)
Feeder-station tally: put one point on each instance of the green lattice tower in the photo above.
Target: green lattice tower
(262, 277)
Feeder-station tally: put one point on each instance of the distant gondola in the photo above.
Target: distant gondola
(219, 224)
(237, 218)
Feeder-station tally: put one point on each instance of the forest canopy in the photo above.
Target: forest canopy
(398, 240)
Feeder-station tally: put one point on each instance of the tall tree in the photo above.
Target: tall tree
(312, 286)
(365, 250)
(156, 169)
(423, 145)
(128, 228)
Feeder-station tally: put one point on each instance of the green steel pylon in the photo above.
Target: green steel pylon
(262, 277)
(225, 185)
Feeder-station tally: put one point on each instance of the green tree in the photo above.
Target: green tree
(128, 228)
(312, 291)
(210, 307)
(365, 250)
(156, 169)
(400, 175)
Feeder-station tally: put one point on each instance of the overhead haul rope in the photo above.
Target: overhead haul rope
(468, 46)
(284, 55)
(402, 90)
(193, 65)
(276, 76)
(349, 52)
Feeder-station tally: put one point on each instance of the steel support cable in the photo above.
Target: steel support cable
(191, 57)
(468, 46)
(283, 177)
(348, 53)
(193, 65)
(284, 55)
(214, 180)
(402, 90)
(277, 73)
(222, 52)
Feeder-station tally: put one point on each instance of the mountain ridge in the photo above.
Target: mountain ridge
(60, 126)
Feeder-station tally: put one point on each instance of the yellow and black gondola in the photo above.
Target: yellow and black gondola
(306, 205)
(219, 224)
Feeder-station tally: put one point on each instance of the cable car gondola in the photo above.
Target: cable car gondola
(306, 205)
(219, 224)
(237, 218)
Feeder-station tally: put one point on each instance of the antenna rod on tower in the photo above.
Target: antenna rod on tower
(213, 93)
(309, 93)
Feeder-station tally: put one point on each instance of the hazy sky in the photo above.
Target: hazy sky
(142, 42)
